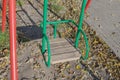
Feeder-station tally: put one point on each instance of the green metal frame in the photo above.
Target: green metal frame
(80, 31)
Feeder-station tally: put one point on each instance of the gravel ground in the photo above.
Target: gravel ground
(101, 65)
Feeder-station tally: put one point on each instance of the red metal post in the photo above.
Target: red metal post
(4, 5)
(88, 4)
(13, 55)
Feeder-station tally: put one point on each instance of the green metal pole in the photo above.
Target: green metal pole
(87, 45)
(80, 22)
(44, 24)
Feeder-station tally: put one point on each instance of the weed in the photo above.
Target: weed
(56, 6)
(20, 3)
(4, 40)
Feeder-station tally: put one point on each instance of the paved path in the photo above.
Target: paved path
(105, 20)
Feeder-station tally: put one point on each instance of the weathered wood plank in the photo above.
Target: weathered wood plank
(60, 44)
(57, 40)
(62, 51)
(65, 57)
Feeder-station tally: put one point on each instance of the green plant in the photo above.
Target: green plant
(20, 3)
(4, 40)
(55, 6)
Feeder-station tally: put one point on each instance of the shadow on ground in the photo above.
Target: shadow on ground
(31, 32)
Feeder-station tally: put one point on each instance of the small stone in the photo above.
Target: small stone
(96, 19)
(113, 33)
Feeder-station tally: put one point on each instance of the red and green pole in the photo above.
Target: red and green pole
(80, 30)
(4, 6)
(12, 26)
(87, 5)
(45, 13)
(81, 17)
(12, 31)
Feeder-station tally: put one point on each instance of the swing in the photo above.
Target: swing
(60, 49)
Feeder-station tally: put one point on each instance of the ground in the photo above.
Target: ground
(104, 19)
(101, 65)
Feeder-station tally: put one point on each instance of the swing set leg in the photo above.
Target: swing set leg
(4, 6)
(12, 30)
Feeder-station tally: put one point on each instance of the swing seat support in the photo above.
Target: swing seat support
(60, 50)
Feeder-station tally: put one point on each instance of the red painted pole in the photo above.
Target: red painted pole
(4, 5)
(13, 57)
(88, 4)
